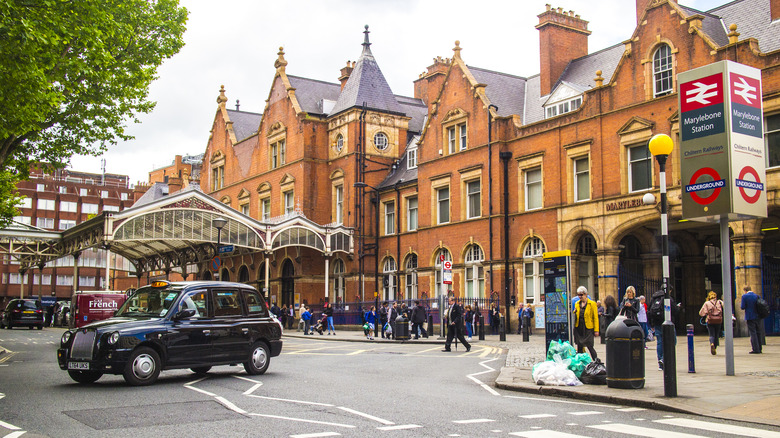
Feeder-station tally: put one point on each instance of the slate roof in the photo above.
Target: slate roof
(582, 71)
(401, 174)
(245, 124)
(160, 190)
(505, 91)
(416, 109)
(367, 84)
(753, 20)
(311, 92)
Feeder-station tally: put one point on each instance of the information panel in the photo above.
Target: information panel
(557, 296)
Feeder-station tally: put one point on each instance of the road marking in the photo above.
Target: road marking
(252, 389)
(585, 413)
(15, 434)
(618, 428)
(545, 434)
(598, 405)
(370, 417)
(230, 405)
(479, 382)
(399, 427)
(438, 347)
(630, 409)
(533, 416)
(302, 420)
(725, 428)
(202, 391)
(2, 395)
(475, 420)
(356, 352)
(9, 426)
(315, 435)
(303, 402)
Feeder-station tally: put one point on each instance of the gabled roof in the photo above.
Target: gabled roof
(245, 124)
(753, 19)
(402, 174)
(582, 71)
(505, 91)
(311, 92)
(367, 84)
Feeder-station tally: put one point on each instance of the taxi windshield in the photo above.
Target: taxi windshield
(149, 302)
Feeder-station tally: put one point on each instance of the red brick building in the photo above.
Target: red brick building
(575, 141)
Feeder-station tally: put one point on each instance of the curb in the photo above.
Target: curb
(366, 341)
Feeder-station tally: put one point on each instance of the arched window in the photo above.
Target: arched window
(662, 71)
(442, 254)
(224, 275)
(339, 143)
(411, 277)
(475, 272)
(243, 275)
(389, 268)
(533, 269)
(338, 280)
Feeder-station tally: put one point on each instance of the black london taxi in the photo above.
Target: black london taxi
(169, 325)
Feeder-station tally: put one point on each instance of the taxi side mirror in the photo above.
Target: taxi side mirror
(184, 314)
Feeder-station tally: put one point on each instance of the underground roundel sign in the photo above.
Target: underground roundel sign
(749, 189)
(695, 186)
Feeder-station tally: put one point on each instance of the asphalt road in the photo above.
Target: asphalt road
(315, 389)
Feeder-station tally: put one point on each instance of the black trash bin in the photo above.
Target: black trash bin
(625, 355)
(401, 328)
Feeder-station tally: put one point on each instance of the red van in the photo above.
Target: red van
(91, 306)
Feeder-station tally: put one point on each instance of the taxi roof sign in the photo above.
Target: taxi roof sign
(160, 283)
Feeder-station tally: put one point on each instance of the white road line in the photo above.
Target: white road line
(230, 405)
(479, 382)
(618, 428)
(399, 427)
(15, 434)
(544, 434)
(630, 409)
(315, 435)
(303, 402)
(9, 426)
(2, 395)
(370, 417)
(302, 420)
(356, 352)
(533, 416)
(475, 420)
(586, 413)
(724, 428)
(598, 405)
(252, 389)
(196, 381)
(202, 391)
(247, 379)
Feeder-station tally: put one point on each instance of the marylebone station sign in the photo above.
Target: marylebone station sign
(722, 154)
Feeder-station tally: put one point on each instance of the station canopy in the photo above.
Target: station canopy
(172, 232)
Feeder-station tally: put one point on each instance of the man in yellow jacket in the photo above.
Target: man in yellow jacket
(586, 322)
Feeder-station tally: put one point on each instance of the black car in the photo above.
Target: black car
(193, 325)
(22, 312)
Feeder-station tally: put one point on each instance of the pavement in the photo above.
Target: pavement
(752, 394)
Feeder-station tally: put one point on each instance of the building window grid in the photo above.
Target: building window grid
(380, 141)
(475, 272)
(218, 177)
(389, 268)
(265, 212)
(662, 71)
(339, 283)
(289, 202)
(25, 203)
(411, 214)
(443, 205)
(581, 179)
(339, 204)
(772, 139)
(533, 188)
(68, 206)
(639, 168)
(44, 222)
(339, 143)
(474, 197)
(411, 277)
(389, 218)
(533, 269)
(89, 208)
(46, 204)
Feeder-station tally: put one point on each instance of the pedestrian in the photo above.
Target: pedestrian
(712, 309)
(392, 314)
(520, 318)
(642, 316)
(276, 310)
(468, 316)
(527, 317)
(600, 307)
(418, 320)
(656, 317)
(301, 322)
(306, 318)
(454, 319)
(283, 316)
(328, 312)
(495, 318)
(477, 314)
(748, 304)
(368, 327)
(291, 316)
(610, 311)
(586, 322)
(383, 318)
(630, 306)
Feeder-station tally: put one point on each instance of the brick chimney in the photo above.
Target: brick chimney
(641, 5)
(563, 37)
(426, 87)
(345, 72)
(175, 184)
(774, 9)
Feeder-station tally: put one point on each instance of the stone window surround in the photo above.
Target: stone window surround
(440, 182)
(454, 119)
(524, 164)
(574, 152)
(468, 175)
(647, 62)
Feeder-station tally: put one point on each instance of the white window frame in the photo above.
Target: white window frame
(631, 162)
(411, 277)
(473, 199)
(531, 204)
(474, 273)
(339, 281)
(83, 192)
(411, 158)
(381, 141)
(265, 208)
(69, 206)
(772, 154)
(339, 204)
(123, 196)
(289, 201)
(46, 204)
(440, 202)
(389, 270)
(389, 217)
(463, 136)
(40, 187)
(25, 203)
(581, 173)
(533, 270)
(663, 71)
(87, 208)
(411, 213)
(44, 222)
(66, 224)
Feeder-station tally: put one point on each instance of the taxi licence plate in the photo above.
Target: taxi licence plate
(78, 365)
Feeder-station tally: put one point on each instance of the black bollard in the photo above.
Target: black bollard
(526, 328)
(430, 326)
(502, 329)
(481, 329)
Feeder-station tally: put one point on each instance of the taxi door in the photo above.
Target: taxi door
(228, 340)
(190, 339)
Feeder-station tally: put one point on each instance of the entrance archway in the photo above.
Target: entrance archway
(288, 283)
(243, 275)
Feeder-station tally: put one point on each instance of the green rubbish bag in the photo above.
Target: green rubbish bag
(579, 362)
(563, 348)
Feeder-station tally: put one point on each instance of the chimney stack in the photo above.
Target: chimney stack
(345, 72)
(563, 37)
(641, 5)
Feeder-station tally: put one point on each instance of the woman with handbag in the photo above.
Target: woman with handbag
(712, 309)
(630, 306)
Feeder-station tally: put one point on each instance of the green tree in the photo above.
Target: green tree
(74, 73)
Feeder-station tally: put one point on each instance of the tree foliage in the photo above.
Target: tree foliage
(74, 73)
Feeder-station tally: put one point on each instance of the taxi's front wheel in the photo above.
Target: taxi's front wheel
(143, 367)
(259, 359)
(85, 376)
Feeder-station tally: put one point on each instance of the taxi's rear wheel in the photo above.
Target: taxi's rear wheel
(200, 370)
(85, 376)
(143, 367)
(259, 359)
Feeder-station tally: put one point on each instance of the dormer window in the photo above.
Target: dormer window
(411, 158)
(556, 109)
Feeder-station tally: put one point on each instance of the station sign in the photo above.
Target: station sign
(557, 296)
(722, 154)
(446, 272)
(224, 249)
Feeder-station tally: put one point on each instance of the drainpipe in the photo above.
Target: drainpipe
(490, 189)
(505, 157)
(398, 233)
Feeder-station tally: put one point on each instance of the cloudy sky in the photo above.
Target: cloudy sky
(235, 43)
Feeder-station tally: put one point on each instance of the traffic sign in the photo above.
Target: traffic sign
(226, 249)
(744, 184)
(446, 272)
(716, 184)
(216, 262)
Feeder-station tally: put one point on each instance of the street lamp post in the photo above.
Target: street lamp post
(661, 146)
(219, 223)
(358, 185)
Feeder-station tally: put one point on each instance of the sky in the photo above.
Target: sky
(235, 43)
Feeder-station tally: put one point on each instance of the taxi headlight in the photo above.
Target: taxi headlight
(113, 338)
(65, 337)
